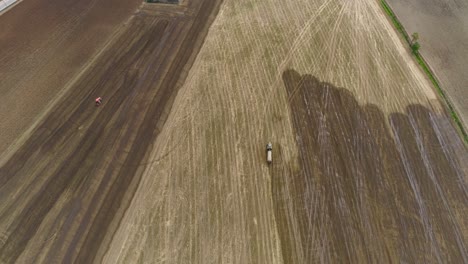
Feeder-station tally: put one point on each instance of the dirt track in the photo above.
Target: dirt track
(62, 191)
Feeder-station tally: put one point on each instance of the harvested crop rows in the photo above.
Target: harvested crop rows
(171, 169)
(209, 197)
(63, 190)
(378, 191)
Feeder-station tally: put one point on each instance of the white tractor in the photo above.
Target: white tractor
(269, 148)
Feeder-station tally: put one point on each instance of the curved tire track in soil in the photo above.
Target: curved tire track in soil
(208, 196)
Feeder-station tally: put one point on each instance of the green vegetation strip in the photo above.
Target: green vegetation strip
(426, 69)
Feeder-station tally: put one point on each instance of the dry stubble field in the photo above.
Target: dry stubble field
(367, 166)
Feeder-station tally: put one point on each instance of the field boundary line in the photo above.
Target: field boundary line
(428, 71)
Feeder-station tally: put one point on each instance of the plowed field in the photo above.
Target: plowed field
(63, 189)
(367, 167)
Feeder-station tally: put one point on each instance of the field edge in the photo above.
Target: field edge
(460, 127)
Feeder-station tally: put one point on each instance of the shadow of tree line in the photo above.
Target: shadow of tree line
(368, 188)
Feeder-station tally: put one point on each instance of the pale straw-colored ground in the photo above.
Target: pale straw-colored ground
(207, 197)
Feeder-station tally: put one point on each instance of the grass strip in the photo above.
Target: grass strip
(426, 69)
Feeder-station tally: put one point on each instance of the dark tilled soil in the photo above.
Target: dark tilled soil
(43, 45)
(75, 175)
(370, 187)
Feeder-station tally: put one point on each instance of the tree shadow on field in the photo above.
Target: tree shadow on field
(368, 188)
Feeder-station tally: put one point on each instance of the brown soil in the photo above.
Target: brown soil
(64, 191)
(209, 196)
(43, 45)
(369, 187)
(350, 182)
